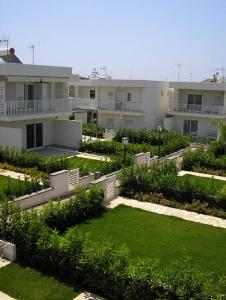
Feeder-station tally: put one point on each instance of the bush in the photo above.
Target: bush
(104, 267)
(24, 159)
(92, 130)
(163, 179)
(80, 207)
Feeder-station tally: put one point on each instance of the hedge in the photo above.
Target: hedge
(103, 268)
(163, 179)
(24, 159)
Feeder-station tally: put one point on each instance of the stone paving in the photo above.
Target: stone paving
(3, 296)
(12, 174)
(87, 296)
(4, 262)
(169, 211)
(182, 173)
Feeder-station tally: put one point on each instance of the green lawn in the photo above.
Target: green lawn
(201, 180)
(86, 165)
(166, 238)
(4, 181)
(28, 284)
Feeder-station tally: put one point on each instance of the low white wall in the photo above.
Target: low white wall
(12, 137)
(85, 181)
(9, 250)
(67, 133)
(59, 187)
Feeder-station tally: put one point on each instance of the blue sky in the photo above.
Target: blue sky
(133, 39)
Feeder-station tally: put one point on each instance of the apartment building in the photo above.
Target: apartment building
(116, 104)
(35, 108)
(193, 106)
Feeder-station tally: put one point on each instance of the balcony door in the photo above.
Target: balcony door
(34, 134)
(194, 102)
(190, 127)
(29, 96)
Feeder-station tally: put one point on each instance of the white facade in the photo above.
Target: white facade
(122, 103)
(193, 106)
(33, 102)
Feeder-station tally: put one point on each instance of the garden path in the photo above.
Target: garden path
(12, 174)
(3, 296)
(182, 173)
(169, 211)
(87, 296)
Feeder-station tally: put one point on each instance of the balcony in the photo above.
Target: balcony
(197, 109)
(32, 107)
(133, 107)
(84, 103)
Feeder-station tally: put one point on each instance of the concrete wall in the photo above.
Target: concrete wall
(81, 116)
(8, 249)
(59, 187)
(12, 137)
(67, 133)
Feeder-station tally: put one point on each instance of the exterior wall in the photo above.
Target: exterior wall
(205, 128)
(81, 116)
(12, 137)
(120, 121)
(67, 133)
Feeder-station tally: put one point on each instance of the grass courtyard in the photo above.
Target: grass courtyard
(150, 235)
(87, 166)
(25, 283)
(4, 180)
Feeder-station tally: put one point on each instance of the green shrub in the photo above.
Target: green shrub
(24, 159)
(80, 207)
(104, 267)
(92, 130)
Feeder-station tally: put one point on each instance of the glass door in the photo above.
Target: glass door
(34, 135)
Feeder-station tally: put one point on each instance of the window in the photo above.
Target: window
(129, 97)
(190, 127)
(161, 93)
(92, 94)
(110, 94)
(194, 102)
(218, 101)
(129, 124)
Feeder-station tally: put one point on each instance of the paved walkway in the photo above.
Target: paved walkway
(12, 174)
(169, 211)
(4, 262)
(87, 296)
(3, 296)
(182, 173)
(92, 156)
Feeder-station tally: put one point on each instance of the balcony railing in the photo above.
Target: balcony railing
(27, 107)
(197, 109)
(84, 103)
(121, 106)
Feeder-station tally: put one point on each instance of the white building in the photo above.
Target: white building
(34, 107)
(193, 105)
(121, 103)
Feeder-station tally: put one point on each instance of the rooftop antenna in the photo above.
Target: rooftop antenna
(222, 69)
(4, 41)
(32, 47)
(178, 73)
(190, 76)
(94, 74)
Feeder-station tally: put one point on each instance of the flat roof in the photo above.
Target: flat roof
(119, 82)
(214, 86)
(11, 69)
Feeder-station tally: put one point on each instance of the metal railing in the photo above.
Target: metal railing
(198, 109)
(26, 107)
